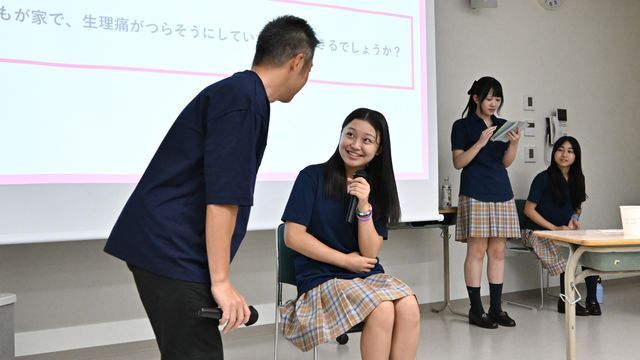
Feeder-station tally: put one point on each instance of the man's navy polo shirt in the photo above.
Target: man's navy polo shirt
(541, 194)
(485, 178)
(325, 220)
(210, 155)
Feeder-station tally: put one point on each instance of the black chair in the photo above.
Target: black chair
(285, 274)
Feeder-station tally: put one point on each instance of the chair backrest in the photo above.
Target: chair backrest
(516, 244)
(520, 208)
(286, 269)
(525, 222)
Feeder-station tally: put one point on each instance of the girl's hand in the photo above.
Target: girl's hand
(514, 136)
(485, 136)
(574, 224)
(356, 263)
(359, 187)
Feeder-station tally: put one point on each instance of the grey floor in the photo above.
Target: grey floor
(538, 335)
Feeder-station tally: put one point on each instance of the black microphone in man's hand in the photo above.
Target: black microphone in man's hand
(216, 313)
(353, 200)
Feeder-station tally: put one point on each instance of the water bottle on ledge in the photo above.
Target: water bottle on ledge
(599, 291)
(445, 194)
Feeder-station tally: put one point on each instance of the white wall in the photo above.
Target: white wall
(583, 56)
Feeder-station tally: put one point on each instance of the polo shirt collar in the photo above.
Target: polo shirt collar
(474, 117)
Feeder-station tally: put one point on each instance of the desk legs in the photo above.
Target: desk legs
(447, 286)
(570, 307)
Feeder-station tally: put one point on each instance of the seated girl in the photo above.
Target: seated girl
(339, 278)
(555, 203)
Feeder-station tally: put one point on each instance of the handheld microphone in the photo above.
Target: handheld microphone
(353, 201)
(216, 313)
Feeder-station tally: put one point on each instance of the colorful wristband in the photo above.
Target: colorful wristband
(364, 214)
(364, 218)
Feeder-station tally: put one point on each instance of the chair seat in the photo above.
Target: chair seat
(519, 248)
(516, 244)
(344, 338)
(356, 328)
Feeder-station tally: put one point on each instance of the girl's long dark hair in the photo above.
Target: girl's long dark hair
(384, 194)
(481, 88)
(576, 177)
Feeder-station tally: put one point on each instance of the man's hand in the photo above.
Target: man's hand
(235, 310)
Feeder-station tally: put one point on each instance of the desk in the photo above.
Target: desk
(579, 242)
(449, 219)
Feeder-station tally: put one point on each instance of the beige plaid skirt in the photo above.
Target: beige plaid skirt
(481, 219)
(330, 309)
(547, 251)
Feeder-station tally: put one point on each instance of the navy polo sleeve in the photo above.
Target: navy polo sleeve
(300, 204)
(537, 188)
(458, 136)
(230, 160)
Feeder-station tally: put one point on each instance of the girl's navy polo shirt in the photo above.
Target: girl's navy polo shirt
(210, 155)
(325, 220)
(485, 178)
(541, 194)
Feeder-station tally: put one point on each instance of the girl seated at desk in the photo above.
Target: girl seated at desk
(338, 275)
(555, 203)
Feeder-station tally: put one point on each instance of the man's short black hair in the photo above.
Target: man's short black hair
(282, 38)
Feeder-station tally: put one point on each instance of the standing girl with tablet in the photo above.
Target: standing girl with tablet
(487, 213)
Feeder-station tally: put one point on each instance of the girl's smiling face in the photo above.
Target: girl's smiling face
(359, 144)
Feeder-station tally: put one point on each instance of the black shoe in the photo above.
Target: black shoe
(594, 308)
(483, 321)
(502, 318)
(580, 310)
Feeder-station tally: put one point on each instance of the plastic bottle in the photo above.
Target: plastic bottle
(600, 291)
(445, 194)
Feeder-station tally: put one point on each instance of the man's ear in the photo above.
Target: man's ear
(297, 62)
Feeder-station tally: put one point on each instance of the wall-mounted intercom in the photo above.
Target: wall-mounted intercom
(556, 126)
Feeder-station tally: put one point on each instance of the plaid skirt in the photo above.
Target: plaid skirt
(547, 251)
(481, 219)
(330, 309)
